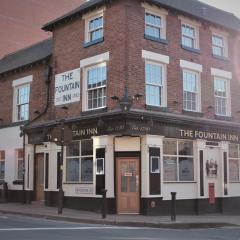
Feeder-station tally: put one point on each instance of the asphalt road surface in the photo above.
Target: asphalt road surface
(24, 228)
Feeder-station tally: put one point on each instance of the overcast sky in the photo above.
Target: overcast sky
(227, 5)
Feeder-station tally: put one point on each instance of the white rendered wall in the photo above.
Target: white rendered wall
(9, 142)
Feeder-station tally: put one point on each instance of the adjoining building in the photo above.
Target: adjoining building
(144, 97)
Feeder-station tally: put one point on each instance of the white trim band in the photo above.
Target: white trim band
(155, 57)
(191, 66)
(22, 81)
(221, 73)
(94, 60)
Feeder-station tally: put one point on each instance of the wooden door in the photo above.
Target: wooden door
(128, 198)
(40, 177)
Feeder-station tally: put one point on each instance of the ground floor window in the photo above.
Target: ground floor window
(19, 164)
(79, 161)
(234, 162)
(2, 165)
(178, 161)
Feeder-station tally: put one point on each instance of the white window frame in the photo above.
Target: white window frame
(17, 160)
(224, 36)
(79, 157)
(163, 86)
(104, 64)
(192, 24)
(198, 90)
(85, 64)
(100, 159)
(151, 170)
(162, 60)
(17, 84)
(158, 12)
(227, 76)
(4, 161)
(196, 69)
(177, 156)
(88, 18)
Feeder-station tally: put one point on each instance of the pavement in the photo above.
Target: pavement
(76, 216)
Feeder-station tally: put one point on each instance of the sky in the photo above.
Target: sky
(227, 5)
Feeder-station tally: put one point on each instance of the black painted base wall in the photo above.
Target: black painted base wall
(85, 203)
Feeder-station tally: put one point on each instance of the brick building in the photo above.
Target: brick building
(144, 97)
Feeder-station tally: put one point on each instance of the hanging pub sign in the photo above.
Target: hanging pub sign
(67, 87)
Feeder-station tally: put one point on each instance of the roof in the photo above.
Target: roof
(26, 56)
(190, 7)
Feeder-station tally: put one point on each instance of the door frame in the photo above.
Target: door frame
(127, 155)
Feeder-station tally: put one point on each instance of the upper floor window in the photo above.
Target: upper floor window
(95, 30)
(155, 83)
(190, 33)
(94, 24)
(155, 22)
(23, 102)
(219, 45)
(96, 86)
(191, 91)
(21, 99)
(94, 93)
(2, 165)
(221, 96)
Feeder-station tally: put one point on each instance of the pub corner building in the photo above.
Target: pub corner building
(139, 98)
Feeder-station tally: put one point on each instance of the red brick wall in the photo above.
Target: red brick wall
(124, 39)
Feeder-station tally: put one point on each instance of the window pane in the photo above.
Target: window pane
(234, 170)
(73, 149)
(100, 166)
(2, 169)
(233, 151)
(186, 170)
(185, 148)
(86, 147)
(20, 169)
(86, 169)
(170, 168)
(72, 169)
(155, 165)
(170, 147)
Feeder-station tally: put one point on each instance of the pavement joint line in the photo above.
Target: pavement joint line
(175, 225)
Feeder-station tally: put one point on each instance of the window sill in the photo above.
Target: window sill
(223, 118)
(194, 50)
(234, 182)
(154, 39)
(94, 111)
(17, 182)
(191, 113)
(88, 44)
(221, 58)
(16, 123)
(156, 108)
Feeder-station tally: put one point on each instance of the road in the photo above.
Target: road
(25, 228)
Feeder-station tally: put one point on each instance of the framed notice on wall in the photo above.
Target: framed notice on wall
(67, 87)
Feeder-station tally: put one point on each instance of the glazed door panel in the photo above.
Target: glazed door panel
(128, 197)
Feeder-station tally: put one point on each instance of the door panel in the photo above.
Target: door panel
(128, 197)
(40, 177)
